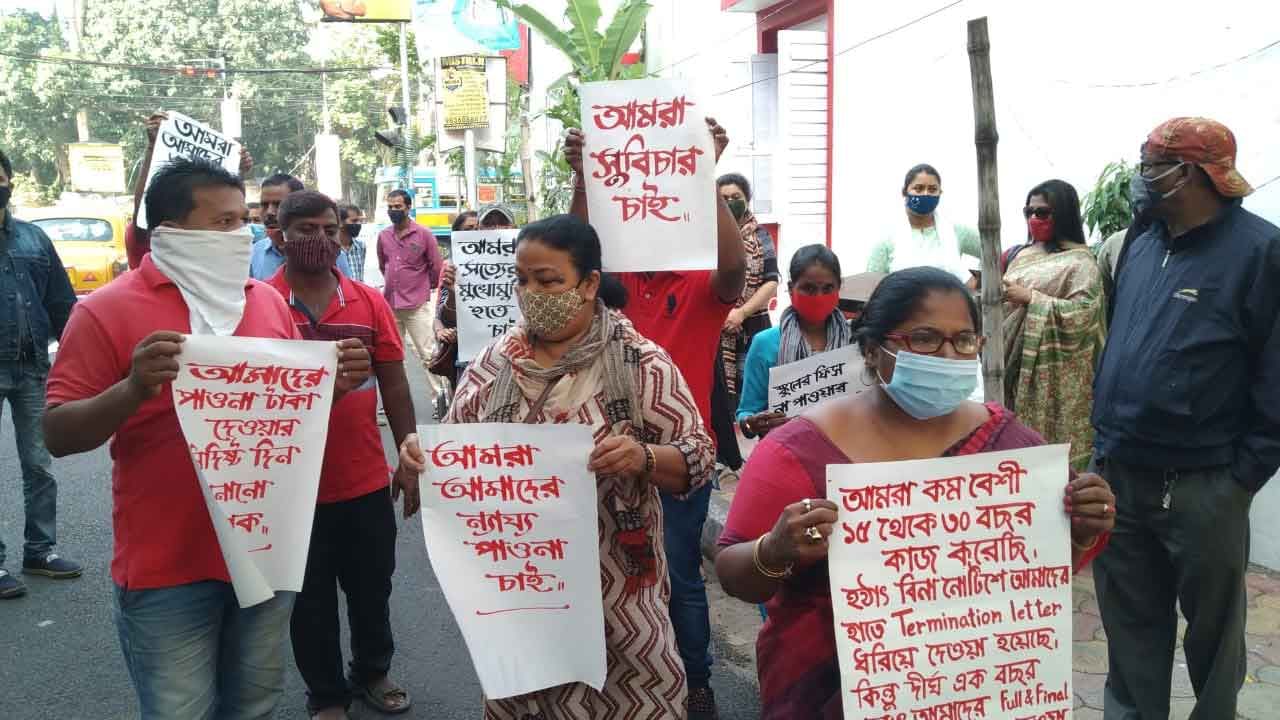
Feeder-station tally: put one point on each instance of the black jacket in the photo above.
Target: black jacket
(1190, 376)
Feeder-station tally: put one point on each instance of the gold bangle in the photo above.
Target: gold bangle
(760, 568)
(650, 459)
(1085, 548)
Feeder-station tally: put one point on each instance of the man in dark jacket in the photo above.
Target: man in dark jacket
(1187, 413)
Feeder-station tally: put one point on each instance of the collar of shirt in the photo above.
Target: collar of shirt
(344, 294)
(1200, 233)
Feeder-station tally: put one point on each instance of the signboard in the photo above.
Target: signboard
(96, 167)
(255, 415)
(457, 27)
(486, 287)
(493, 135)
(466, 96)
(650, 175)
(182, 137)
(798, 386)
(367, 10)
(951, 585)
(509, 513)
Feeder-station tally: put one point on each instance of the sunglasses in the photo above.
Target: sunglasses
(1040, 213)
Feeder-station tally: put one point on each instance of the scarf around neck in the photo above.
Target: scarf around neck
(792, 345)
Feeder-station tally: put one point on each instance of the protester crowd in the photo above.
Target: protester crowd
(1160, 370)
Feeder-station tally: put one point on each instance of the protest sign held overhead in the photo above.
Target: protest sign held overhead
(255, 415)
(951, 585)
(650, 166)
(798, 386)
(510, 517)
(181, 137)
(486, 287)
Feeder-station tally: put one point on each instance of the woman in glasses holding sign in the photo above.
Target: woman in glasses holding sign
(813, 324)
(1054, 321)
(919, 339)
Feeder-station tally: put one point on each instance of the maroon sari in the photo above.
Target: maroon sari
(796, 649)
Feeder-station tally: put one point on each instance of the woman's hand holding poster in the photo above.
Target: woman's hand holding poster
(951, 585)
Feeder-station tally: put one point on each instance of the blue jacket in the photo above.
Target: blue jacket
(1190, 376)
(36, 296)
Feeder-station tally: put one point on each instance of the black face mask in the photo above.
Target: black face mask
(352, 230)
(396, 216)
(5, 193)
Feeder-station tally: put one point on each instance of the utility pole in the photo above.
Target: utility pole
(404, 94)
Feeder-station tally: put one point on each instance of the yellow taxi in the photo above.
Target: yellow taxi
(89, 240)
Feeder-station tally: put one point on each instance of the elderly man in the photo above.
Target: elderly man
(1187, 412)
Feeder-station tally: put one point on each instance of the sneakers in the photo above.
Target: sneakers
(702, 704)
(10, 586)
(52, 566)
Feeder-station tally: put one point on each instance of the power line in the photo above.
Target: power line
(181, 69)
(1175, 78)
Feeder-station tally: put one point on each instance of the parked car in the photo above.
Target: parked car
(90, 241)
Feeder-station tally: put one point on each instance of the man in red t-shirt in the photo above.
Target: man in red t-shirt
(191, 650)
(684, 312)
(353, 538)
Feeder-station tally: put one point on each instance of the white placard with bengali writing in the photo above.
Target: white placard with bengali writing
(181, 137)
(798, 386)
(650, 167)
(951, 584)
(509, 513)
(486, 287)
(255, 415)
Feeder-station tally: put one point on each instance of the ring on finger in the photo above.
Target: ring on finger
(813, 534)
(808, 505)
(1106, 509)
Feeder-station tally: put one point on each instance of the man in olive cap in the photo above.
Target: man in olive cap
(1187, 413)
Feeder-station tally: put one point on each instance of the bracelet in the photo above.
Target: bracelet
(760, 568)
(650, 459)
(1085, 548)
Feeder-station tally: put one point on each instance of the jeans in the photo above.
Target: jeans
(682, 539)
(22, 384)
(194, 654)
(353, 544)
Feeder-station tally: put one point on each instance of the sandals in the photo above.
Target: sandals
(394, 700)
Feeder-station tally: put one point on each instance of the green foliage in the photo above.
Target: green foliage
(37, 120)
(1107, 207)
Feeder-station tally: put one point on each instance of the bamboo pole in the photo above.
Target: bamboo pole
(985, 138)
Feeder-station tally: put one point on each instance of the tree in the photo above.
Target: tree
(1107, 207)
(38, 119)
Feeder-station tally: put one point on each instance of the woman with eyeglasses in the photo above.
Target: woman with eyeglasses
(919, 340)
(1054, 321)
(926, 237)
(812, 324)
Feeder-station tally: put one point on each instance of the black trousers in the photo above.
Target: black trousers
(1181, 537)
(353, 544)
(723, 408)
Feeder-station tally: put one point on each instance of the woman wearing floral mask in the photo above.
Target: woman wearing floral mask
(575, 358)
(926, 238)
(919, 339)
(812, 324)
(1054, 321)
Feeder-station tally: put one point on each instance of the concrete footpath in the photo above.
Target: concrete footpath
(1259, 699)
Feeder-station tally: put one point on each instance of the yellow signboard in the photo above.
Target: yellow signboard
(367, 10)
(466, 92)
(96, 167)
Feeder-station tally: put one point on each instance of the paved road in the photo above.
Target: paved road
(60, 660)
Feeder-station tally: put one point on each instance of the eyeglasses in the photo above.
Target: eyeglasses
(1041, 213)
(1145, 168)
(927, 341)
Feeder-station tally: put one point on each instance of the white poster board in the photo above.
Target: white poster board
(951, 585)
(798, 386)
(510, 517)
(650, 167)
(486, 286)
(181, 137)
(255, 415)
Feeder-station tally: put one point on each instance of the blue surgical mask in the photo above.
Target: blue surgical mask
(925, 386)
(923, 204)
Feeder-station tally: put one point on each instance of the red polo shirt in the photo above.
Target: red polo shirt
(163, 535)
(681, 312)
(354, 463)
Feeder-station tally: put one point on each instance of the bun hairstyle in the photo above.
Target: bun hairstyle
(898, 295)
(571, 235)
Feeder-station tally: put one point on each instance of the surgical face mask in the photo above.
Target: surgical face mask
(396, 216)
(925, 386)
(1145, 198)
(923, 204)
(738, 207)
(310, 253)
(547, 314)
(353, 230)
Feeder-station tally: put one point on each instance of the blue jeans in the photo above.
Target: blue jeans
(194, 654)
(682, 539)
(22, 384)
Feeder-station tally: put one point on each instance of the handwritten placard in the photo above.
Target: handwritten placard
(255, 414)
(798, 386)
(510, 517)
(650, 174)
(486, 287)
(951, 583)
(181, 137)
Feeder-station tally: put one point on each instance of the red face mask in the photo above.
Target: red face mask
(814, 309)
(1041, 230)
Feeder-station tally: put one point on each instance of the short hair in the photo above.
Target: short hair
(404, 194)
(346, 210)
(921, 168)
(735, 179)
(307, 203)
(462, 218)
(292, 182)
(4, 163)
(171, 196)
